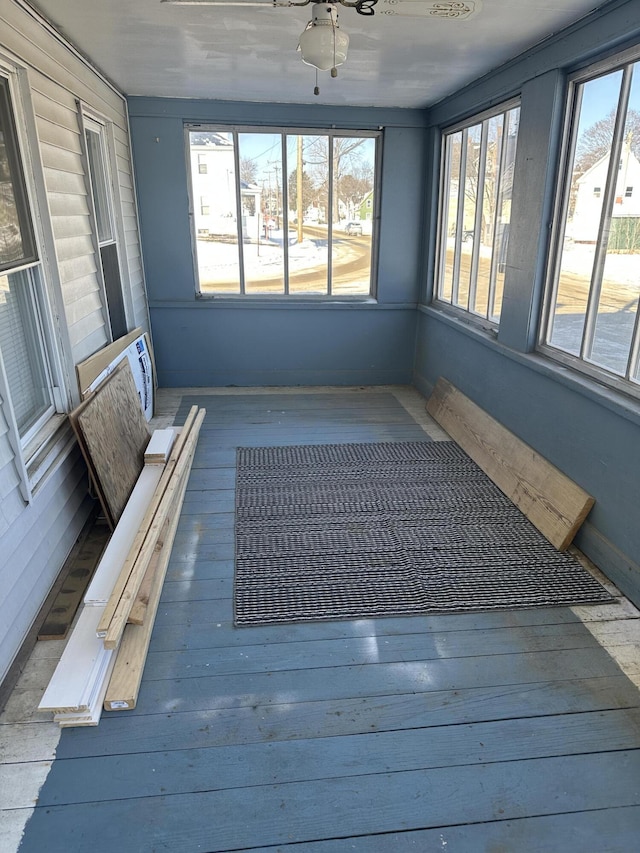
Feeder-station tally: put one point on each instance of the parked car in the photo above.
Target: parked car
(354, 228)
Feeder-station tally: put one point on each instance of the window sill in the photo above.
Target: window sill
(615, 401)
(47, 449)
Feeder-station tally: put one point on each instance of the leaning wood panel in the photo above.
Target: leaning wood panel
(550, 500)
(116, 435)
(92, 367)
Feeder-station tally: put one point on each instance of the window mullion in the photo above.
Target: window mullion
(602, 242)
(495, 249)
(446, 198)
(571, 133)
(239, 229)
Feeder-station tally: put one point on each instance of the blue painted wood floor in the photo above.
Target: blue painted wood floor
(489, 732)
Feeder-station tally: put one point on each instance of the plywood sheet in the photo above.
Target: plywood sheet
(134, 347)
(115, 434)
(550, 500)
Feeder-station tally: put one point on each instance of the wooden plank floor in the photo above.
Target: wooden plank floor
(477, 732)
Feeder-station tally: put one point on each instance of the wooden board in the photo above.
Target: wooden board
(143, 528)
(122, 692)
(168, 506)
(550, 500)
(123, 536)
(136, 348)
(115, 435)
(160, 445)
(80, 669)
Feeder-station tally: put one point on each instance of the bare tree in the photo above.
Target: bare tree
(248, 170)
(595, 141)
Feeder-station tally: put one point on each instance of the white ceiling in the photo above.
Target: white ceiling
(249, 54)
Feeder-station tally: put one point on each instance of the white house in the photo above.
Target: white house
(213, 182)
(589, 197)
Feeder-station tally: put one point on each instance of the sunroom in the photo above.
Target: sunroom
(310, 253)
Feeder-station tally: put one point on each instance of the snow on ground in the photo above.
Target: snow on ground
(624, 269)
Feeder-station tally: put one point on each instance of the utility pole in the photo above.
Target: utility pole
(299, 189)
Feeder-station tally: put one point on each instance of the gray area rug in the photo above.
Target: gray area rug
(353, 531)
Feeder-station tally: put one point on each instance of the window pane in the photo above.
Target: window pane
(307, 207)
(353, 215)
(470, 201)
(262, 211)
(618, 302)
(503, 219)
(594, 312)
(308, 258)
(16, 234)
(98, 171)
(485, 240)
(589, 170)
(216, 214)
(22, 353)
(453, 160)
(474, 227)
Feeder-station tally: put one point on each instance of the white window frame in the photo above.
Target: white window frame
(90, 120)
(488, 318)
(569, 139)
(31, 444)
(330, 133)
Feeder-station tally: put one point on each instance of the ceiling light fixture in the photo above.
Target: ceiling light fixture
(323, 44)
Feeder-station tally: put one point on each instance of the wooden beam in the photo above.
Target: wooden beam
(123, 536)
(166, 505)
(147, 519)
(548, 498)
(122, 692)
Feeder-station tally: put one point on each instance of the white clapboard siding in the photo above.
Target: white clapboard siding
(37, 544)
(85, 344)
(36, 538)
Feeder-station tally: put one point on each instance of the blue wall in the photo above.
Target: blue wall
(589, 432)
(262, 342)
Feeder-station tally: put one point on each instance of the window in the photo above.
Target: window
(597, 191)
(277, 208)
(27, 382)
(103, 205)
(202, 164)
(475, 208)
(591, 308)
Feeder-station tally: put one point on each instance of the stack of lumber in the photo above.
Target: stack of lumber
(104, 658)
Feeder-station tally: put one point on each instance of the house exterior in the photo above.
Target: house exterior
(212, 178)
(626, 204)
(71, 280)
(365, 211)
